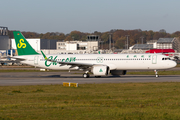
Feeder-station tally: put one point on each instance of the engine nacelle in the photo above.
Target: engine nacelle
(100, 70)
(118, 72)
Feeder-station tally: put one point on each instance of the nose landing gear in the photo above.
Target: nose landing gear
(156, 73)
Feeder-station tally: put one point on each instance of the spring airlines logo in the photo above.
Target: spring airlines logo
(47, 64)
(21, 44)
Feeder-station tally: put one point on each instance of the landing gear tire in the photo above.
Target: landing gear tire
(157, 76)
(97, 76)
(85, 75)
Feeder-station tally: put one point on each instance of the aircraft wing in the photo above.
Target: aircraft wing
(19, 58)
(6, 61)
(76, 64)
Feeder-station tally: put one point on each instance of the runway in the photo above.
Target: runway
(48, 78)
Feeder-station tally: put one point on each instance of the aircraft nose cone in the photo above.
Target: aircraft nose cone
(173, 64)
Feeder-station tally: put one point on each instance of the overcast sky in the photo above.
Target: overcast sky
(64, 16)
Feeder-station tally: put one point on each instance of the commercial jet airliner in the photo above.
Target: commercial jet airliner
(97, 64)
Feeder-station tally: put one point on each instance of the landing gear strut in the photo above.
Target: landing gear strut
(156, 72)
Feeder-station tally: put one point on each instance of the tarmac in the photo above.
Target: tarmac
(58, 77)
(48, 78)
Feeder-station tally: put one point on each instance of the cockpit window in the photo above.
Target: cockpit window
(166, 59)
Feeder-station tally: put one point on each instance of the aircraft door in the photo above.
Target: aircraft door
(154, 59)
(36, 60)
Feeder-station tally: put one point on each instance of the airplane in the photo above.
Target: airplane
(4, 60)
(97, 64)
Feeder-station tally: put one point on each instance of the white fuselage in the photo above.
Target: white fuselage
(114, 61)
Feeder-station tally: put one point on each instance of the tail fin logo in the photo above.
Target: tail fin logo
(21, 44)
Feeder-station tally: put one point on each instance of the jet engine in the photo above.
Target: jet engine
(118, 72)
(100, 70)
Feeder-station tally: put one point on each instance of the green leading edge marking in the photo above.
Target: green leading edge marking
(44, 55)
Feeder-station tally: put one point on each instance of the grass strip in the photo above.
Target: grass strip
(132, 101)
(152, 73)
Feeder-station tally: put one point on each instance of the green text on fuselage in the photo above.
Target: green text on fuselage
(70, 59)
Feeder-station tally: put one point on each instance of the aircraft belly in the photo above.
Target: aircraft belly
(31, 63)
(133, 65)
(65, 67)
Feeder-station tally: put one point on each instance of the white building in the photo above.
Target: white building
(153, 42)
(77, 46)
(161, 43)
(165, 43)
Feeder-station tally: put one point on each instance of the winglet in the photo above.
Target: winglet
(44, 55)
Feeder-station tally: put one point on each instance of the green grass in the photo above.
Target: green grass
(152, 73)
(126, 101)
(178, 65)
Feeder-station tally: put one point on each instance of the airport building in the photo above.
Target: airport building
(142, 47)
(4, 39)
(161, 43)
(169, 43)
(91, 45)
(75, 46)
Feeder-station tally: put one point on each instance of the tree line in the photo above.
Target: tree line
(118, 36)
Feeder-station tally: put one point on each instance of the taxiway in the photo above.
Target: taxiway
(47, 78)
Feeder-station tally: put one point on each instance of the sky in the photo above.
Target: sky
(64, 16)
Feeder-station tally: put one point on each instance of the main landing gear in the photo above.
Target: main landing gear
(86, 75)
(156, 73)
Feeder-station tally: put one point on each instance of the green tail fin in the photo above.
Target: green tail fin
(23, 47)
